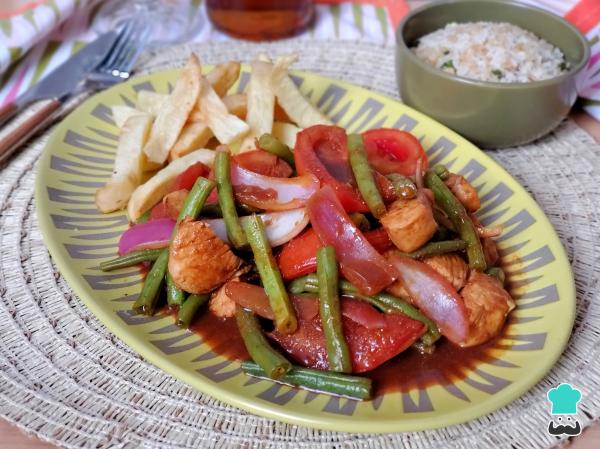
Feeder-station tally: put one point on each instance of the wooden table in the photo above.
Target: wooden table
(11, 437)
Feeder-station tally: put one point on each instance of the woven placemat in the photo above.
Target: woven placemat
(66, 379)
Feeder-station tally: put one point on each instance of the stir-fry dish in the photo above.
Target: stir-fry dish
(333, 252)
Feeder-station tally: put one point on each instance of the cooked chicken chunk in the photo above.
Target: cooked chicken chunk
(199, 261)
(409, 223)
(222, 305)
(397, 289)
(490, 251)
(174, 202)
(451, 266)
(487, 304)
(463, 191)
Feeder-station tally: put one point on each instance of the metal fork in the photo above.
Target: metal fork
(116, 67)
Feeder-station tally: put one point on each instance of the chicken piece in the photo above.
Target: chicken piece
(199, 261)
(490, 251)
(409, 223)
(463, 191)
(397, 289)
(174, 202)
(487, 304)
(222, 305)
(451, 266)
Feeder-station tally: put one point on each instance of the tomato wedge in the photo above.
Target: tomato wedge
(359, 262)
(322, 150)
(264, 163)
(299, 256)
(394, 151)
(268, 193)
(159, 211)
(369, 347)
(187, 178)
(434, 296)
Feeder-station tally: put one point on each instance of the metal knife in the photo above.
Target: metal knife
(57, 86)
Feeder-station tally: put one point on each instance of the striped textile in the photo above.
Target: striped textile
(44, 33)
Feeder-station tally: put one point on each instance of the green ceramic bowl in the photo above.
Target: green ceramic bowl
(488, 113)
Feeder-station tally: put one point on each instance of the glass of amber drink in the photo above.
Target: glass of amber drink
(260, 20)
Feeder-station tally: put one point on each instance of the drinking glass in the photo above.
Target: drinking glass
(259, 20)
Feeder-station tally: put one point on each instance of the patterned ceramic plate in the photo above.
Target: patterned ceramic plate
(79, 158)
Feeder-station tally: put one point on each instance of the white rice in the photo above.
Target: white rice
(489, 51)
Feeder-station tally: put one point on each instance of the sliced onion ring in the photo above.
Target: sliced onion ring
(280, 226)
(152, 234)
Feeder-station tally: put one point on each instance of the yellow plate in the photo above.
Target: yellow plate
(79, 157)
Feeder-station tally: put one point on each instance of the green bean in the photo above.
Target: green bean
(272, 144)
(441, 171)
(175, 296)
(423, 347)
(194, 201)
(360, 221)
(189, 309)
(442, 220)
(403, 186)
(272, 363)
(383, 301)
(144, 217)
(498, 273)
(363, 173)
(459, 218)
(133, 258)
(146, 302)
(437, 248)
(330, 312)
(304, 284)
(283, 311)
(320, 381)
(225, 191)
(214, 210)
(389, 303)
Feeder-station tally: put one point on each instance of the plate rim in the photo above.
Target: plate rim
(254, 405)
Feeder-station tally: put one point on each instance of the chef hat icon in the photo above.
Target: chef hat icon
(564, 399)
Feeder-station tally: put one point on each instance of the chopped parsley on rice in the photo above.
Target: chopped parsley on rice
(489, 51)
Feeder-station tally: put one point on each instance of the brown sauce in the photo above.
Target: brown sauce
(221, 335)
(448, 363)
(410, 370)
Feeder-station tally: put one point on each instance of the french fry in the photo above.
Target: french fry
(236, 104)
(150, 102)
(261, 104)
(174, 112)
(225, 126)
(127, 172)
(121, 113)
(291, 100)
(286, 133)
(153, 190)
(194, 135)
(223, 76)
